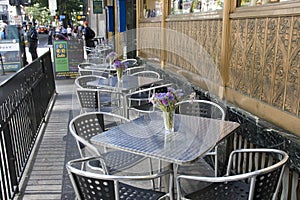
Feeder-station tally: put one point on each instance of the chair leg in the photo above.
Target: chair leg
(151, 172)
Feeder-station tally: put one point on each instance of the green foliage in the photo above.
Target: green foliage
(41, 14)
(69, 8)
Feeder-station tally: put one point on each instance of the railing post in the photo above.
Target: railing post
(1, 60)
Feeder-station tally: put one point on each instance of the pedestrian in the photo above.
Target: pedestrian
(69, 32)
(88, 35)
(3, 29)
(22, 45)
(32, 37)
(50, 35)
(75, 31)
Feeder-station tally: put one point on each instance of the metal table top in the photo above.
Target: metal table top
(192, 138)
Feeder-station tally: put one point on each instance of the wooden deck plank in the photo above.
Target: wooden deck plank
(44, 179)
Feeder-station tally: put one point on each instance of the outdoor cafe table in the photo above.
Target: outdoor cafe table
(192, 137)
(129, 83)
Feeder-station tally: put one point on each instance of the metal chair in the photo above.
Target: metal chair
(203, 108)
(102, 73)
(86, 64)
(138, 101)
(135, 69)
(88, 185)
(151, 74)
(246, 177)
(82, 81)
(98, 100)
(131, 62)
(92, 69)
(85, 126)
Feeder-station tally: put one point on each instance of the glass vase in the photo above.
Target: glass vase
(169, 119)
(120, 75)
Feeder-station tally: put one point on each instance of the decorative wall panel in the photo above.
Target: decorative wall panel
(150, 39)
(264, 60)
(199, 47)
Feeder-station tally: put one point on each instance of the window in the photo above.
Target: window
(195, 6)
(153, 8)
(241, 3)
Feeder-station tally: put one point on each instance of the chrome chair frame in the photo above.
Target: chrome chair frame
(81, 81)
(249, 181)
(89, 185)
(87, 125)
(133, 61)
(132, 70)
(147, 73)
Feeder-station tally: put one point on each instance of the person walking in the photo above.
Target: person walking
(69, 32)
(88, 35)
(32, 37)
(50, 35)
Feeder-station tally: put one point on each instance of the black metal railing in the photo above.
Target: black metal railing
(24, 100)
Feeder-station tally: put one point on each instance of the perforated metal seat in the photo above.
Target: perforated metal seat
(251, 174)
(87, 125)
(90, 185)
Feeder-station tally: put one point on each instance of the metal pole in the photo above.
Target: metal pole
(3, 71)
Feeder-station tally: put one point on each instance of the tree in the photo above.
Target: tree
(69, 8)
(39, 13)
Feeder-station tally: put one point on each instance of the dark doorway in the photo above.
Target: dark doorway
(131, 26)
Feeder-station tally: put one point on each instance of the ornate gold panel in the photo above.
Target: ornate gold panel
(264, 60)
(150, 36)
(200, 33)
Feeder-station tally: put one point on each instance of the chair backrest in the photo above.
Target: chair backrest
(88, 185)
(262, 168)
(257, 174)
(131, 62)
(82, 81)
(86, 64)
(151, 74)
(91, 185)
(88, 98)
(202, 108)
(101, 73)
(132, 70)
(85, 126)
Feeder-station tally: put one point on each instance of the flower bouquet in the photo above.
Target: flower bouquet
(166, 102)
(111, 57)
(120, 67)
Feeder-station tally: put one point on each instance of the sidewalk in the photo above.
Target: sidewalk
(7, 74)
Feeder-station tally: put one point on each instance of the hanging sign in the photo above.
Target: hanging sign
(97, 7)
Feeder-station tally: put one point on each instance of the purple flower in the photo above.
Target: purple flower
(119, 65)
(166, 101)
